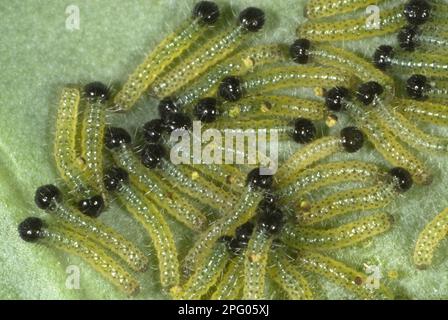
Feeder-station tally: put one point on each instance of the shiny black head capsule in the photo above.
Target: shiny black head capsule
(299, 51)
(417, 86)
(47, 196)
(271, 221)
(230, 89)
(352, 139)
(304, 131)
(417, 12)
(91, 207)
(402, 178)
(30, 229)
(334, 98)
(114, 137)
(152, 130)
(252, 19)
(114, 178)
(205, 110)
(151, 155)
(368, 91)
(206, 11)
(167, 107)
(383, 56)
(257, 180)
(96, 91)
(407, 38)
(177, 121)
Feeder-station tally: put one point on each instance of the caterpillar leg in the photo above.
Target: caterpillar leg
(204, 14)
(255, 262)
(428, 240)
(343, 236)
(289, 278)
(341, 274)
(205, 276)
(33, 229)
(149, 216)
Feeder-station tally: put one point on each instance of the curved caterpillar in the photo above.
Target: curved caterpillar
(213, 51)
(205, 13)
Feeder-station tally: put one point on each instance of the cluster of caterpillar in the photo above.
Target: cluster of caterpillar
(262, 227)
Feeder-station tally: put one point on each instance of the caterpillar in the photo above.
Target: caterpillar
(414, 12)
(369, 198)
(425, 111)
(238, 65)
(255, 261)
(384, 141)
(250, 20)
(427, 64)
(66, 159)
(301, 237)
(352, 29)
(429, 238)
(204, 15)
(49, 198)
(243, 211)
(351, 140)
(302, 51)
(316, 9)
(420, 87)
(411, 37)
(289, 278)
(340, 274)
(115, 180)
(233, 88)
(230, 285)
(155, 190)
(406, 130)
(326, 174)
(197, 188)
(92, 134)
